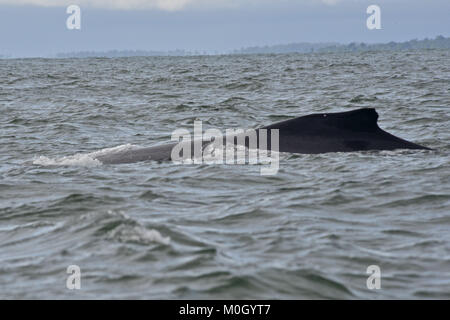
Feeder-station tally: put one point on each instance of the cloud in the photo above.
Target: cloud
(168, 5)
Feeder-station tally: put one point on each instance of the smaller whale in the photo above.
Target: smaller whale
(349, 131)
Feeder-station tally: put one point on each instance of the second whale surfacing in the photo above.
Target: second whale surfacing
(349, 131)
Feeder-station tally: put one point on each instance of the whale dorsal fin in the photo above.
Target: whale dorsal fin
(355, 120)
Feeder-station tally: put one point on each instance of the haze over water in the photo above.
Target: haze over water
(160, 230)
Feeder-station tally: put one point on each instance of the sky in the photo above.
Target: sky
(38, 27)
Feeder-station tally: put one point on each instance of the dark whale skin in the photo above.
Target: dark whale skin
(349, 131)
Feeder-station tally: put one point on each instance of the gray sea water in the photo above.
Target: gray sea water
(161, 230)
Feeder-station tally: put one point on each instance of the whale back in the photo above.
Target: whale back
(355, 130)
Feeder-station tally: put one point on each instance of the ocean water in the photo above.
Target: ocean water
(154, 230)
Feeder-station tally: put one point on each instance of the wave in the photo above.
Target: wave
(137, 234)
(82, 159)
(125, 229)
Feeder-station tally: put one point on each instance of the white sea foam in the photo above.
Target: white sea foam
(82, 159)
(75, 160)
(138, 234)
(132, 231)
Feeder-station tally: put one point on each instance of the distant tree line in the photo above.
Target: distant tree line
(125, 53)
(440, 42)
(302, 47)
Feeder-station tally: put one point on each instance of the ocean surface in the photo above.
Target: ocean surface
(159, 230)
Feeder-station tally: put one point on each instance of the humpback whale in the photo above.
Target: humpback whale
(350, 131)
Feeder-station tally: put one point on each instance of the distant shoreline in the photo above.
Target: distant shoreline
(440, 42)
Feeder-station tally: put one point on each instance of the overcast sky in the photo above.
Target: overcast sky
(38, 27)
